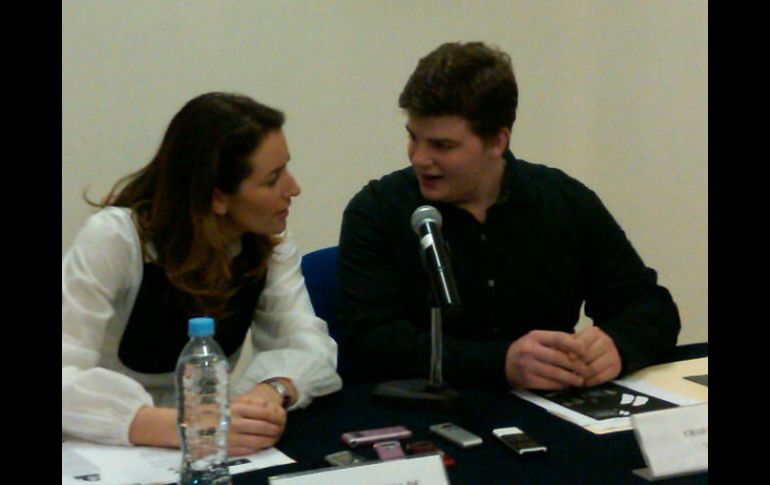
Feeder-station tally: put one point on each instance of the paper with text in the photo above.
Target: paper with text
(122, 465)
(422, 470)
(674, 441)
(608, 408)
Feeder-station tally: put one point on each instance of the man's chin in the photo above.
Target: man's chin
(432, 195)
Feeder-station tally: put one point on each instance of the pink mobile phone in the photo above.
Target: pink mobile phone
(366, 436)
(388, 450)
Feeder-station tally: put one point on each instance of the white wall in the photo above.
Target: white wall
(614, 92)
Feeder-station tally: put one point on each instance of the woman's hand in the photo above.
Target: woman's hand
(255, 424)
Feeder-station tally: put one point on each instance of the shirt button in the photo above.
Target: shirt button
(491, 283)
(483, 237)
(495, 330)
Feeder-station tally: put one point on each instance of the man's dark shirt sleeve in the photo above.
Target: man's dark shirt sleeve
(622, 294)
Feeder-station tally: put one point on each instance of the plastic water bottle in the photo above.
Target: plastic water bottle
(203, 406)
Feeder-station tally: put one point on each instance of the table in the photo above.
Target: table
(575, 456)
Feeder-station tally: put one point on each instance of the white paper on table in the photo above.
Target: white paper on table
(669, 379)
(123, 465)
(423, 470)
(674, 442)
(664, 381)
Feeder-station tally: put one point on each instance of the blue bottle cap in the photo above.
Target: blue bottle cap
(200, 327)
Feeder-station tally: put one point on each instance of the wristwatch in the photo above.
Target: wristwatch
(281, 389)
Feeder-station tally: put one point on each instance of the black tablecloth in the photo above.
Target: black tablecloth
(575, 456)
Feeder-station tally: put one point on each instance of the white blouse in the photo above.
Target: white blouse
(101, 276)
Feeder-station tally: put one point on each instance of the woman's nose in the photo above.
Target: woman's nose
(294, 188)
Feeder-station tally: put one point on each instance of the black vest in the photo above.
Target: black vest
(156, 331)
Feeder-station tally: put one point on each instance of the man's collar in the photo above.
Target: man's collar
(513, 189)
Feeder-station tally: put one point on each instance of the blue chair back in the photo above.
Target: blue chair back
(319, 268)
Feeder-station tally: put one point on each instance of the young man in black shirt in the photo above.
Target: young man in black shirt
(528, 245)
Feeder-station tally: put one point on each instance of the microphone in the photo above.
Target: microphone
(429, 393)
(426, 222)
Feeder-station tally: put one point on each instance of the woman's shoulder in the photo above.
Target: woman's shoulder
(107, 247)
(117, 217)
(286, 249)
(110, 224)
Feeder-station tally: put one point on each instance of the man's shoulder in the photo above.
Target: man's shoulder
(544, 181)
(542, 173)
(400, 181)
(398, 188)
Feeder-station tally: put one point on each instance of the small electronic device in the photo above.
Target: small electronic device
(457, 435)
(519, 441)
(344, 458)
(366, 436)
(388, 450)
(428, 447)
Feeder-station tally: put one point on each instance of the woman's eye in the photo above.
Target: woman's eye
(273, 179)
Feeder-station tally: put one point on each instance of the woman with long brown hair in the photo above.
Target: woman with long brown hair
(200, 230)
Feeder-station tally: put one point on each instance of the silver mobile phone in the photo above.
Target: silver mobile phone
(344, 458)
(366, 436)
(457, 435)
(519, 441)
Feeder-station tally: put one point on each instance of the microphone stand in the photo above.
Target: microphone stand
(430, 393)
(437, 347)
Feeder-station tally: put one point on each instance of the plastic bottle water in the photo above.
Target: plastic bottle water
(203, 406)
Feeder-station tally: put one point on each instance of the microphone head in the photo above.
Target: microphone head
(423, 214)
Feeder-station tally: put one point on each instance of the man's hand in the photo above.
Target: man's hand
(255, 424)
(546, 360)
(601, 356)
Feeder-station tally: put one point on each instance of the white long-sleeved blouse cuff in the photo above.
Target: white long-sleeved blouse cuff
(289, 339)
(313, 372)
(99, 405)
(296, 346)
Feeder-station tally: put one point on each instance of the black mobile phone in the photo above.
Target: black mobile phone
(519, 441)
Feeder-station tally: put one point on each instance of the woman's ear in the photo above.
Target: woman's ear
(219, 203)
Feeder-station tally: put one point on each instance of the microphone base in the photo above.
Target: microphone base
(416, 393)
